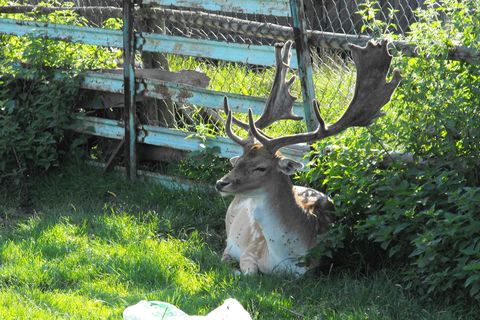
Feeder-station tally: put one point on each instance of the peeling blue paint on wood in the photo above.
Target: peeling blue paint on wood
(267, 7)
(227, 51)
(180, 93)
(305, 70)
(183, 93)
(130, 110)
(108, 82)
(107, 128)
(85, 35)
(233, 52)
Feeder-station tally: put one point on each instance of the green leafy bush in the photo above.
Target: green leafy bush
(204, 166)
(423, 216)
(35, 100)
(33, 116)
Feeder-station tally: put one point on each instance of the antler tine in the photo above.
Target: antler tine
(255, 132)
(280, 101)
(228, 125)
(237, 122)
(372, 92)
(243, 125)
(273, 145)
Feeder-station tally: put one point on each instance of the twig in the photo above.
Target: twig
(16, 158)
(293, 312)
(381, 144)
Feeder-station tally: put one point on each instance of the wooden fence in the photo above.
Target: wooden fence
(130, 132)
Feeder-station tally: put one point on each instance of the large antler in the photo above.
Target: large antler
(279, 103)
(372, 92)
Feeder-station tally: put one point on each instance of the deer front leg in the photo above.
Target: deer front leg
(248, 263)
(250, 258)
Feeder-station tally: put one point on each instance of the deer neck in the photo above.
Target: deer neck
(280, 217)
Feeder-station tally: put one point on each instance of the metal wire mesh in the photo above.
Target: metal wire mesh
(224, 76)
(95, 13)
(334, 74)
(342, 16)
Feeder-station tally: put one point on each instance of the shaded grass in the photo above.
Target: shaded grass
(97, 244)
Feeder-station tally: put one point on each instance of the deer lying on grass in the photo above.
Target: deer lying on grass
(271, 223)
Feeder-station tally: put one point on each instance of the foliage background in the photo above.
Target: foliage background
(39, 85)
(422, 216)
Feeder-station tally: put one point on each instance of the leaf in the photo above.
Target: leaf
(472, 266)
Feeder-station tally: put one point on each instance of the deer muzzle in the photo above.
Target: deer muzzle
(221, 184)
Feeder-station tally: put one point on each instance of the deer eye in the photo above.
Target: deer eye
(260, 169)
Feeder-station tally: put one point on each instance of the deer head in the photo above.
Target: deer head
(261, 161)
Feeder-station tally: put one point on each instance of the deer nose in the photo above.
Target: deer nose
(220, 184)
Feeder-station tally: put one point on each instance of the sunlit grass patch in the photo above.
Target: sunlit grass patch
(67, 254)
(35, 304)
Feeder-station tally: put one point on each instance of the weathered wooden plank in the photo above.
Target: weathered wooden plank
(305, 70)
(214, 99)
(166, 137)
(168, 182)
(110, 82)
(111, 12)
(95, 36)
(129, 105)
(189, 77)
(154, 42)
(180, 93)
(107, 128)
(113, 38)
(234, 52)
(316, 38)
(266, 7)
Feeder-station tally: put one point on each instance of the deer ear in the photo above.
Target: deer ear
(234, 160)
(289, 166)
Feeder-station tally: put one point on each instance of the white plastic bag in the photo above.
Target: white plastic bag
(231, 309)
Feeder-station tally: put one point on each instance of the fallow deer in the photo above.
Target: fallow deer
(271, 223)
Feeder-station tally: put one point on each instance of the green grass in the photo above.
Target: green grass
(93, 244)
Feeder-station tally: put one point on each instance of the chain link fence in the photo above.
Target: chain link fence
(344, 16)
(334, 73)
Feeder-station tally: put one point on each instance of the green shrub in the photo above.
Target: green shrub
(423, 216)
(204, 166)
(33, 116)
(35, 101)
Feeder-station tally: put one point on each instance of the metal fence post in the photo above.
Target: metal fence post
(305, 70)
(129, 89)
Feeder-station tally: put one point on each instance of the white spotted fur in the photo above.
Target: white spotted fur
(273, 248)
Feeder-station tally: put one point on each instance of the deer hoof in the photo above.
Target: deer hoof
(228, 259)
